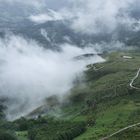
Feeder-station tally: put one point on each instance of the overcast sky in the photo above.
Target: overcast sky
(55, 4)
(88, 16)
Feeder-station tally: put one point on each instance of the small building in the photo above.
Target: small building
(127, 57)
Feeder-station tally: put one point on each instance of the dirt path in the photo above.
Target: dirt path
(133, 80)
(119, 131)
(96, 69)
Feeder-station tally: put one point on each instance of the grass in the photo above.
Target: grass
(109, 120)
(104, 100)
(22, 135)
(119, 102)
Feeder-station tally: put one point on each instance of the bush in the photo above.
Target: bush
(57, 130)
(6, 136)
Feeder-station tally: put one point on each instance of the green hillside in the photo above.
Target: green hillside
(102, 103)
(108, 99)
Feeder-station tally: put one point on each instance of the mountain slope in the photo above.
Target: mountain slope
(99, 105)
(104, 100)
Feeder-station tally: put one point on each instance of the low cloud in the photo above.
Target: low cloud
(50, 15)
(104, 16)
(45, 35)
(90, 17)
(94, 16)
(35, 3)
(54, 4)
(29, 73)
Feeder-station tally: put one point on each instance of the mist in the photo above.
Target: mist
(104, 16)
(29, 73)
(90, 17)
(93, 16)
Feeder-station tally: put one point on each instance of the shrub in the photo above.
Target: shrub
(6, 136)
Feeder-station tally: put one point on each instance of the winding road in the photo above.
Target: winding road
(96, 69)
(133, 80)
(130, 126)
(119, 131)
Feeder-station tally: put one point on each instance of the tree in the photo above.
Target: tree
(6, 136)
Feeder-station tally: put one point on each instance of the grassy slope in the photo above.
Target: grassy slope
(22, 135)
(117, 104)
(104, 100)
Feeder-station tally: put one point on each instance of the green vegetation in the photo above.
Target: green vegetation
(113, 103)
(98, 106)
(22, 135)
(57, 130)
(7, 135)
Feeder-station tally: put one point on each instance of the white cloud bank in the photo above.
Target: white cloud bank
(99, 16)
(49, 16)
(89, 17)
(93, 16)
(29, 73)
(35, 3)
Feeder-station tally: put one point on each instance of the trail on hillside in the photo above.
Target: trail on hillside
(119, 131)
(97, 69)
(133, 80)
